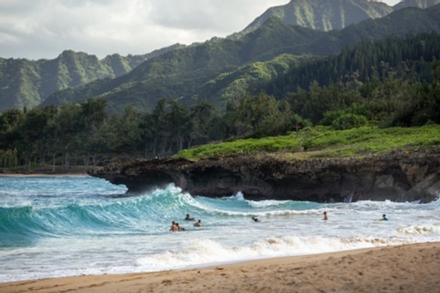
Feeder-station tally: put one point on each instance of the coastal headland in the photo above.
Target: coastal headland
(402, 175)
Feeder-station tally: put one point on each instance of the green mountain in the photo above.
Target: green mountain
(327, 15)
(180, 73)
(26, 83)
(189, 73)
(249, 79)
(323, 15)
(416, 3)
(411, 58)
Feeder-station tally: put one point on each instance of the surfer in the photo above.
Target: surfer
(325, 216)
(255, 219)
(384, 217)
(198, 224)
(189, 218)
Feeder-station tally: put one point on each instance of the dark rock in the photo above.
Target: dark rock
(398, 176)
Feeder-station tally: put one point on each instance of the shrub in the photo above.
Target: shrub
(348, 121)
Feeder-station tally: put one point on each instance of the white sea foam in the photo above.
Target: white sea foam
(266, 203)
(420, 230)
(204, 251)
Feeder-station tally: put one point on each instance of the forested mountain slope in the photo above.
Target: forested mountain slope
(323, 15)
(27, 83)
(329, 15)
(187, 73)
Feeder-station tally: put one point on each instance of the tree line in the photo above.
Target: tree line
(86, 134)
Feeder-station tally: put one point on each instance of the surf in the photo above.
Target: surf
(62, 226)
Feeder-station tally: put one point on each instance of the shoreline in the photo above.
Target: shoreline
(404, 268)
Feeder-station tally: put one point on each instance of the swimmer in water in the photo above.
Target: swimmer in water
(198, 224)
(255, 219)
(325, 216)
(188, 218)
(174, 227)
(179, 228)
(384, 217)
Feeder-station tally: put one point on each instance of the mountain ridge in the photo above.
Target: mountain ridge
(183, 73)
(73, 76)
(27, 83)
(330, 15)
(322, 15)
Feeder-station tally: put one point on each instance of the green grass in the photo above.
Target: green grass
(324, 142)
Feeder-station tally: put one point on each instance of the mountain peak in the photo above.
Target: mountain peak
(327, 15)
(68, 52)
(323, 15)
(416, 3)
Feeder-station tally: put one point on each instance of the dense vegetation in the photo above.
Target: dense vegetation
(392, 82)
(409, 58)
(84, 134)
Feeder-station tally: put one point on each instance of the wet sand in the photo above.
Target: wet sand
(409, 268)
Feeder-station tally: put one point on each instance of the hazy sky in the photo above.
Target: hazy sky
(44, 28)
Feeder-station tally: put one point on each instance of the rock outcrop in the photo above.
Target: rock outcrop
(398, 176)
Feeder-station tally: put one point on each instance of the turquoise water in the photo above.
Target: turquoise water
(61, 226)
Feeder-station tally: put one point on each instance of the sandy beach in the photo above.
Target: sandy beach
(409, 268)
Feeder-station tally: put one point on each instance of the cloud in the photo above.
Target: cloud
(43, 28)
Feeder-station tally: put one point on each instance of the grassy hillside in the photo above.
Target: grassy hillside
(324, 142)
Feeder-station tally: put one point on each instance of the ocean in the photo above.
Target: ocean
(75, 225)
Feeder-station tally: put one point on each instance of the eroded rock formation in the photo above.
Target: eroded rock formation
(398, 176)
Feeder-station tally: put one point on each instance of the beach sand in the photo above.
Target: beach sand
(410, 268)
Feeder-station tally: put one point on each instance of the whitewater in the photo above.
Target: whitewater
(75, 225)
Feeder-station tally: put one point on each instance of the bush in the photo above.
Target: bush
(348, 121)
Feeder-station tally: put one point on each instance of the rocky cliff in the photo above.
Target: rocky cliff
(398, 176)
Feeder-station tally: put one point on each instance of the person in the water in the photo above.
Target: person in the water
(384, 217)
(179, 228)
(174, 227)
(325, 216)
(255, 219)
(189, 218)
(198, 224)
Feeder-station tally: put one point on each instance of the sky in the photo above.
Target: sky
(44, 28)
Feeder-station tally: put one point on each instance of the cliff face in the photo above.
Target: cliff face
(398, 176)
